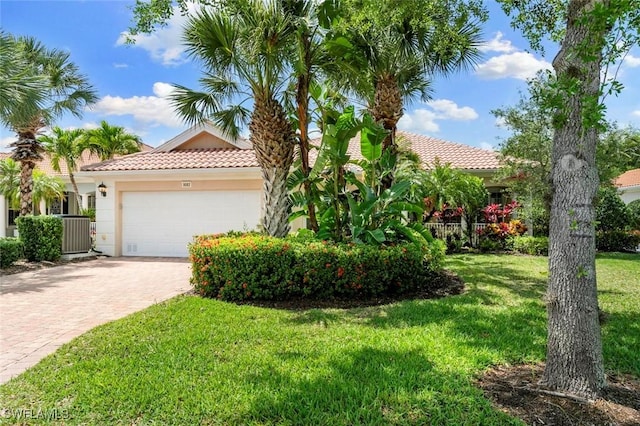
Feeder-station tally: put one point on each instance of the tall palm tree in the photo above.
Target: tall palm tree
(387, 53)
(67, 146)
(66, 91)
(107, 141)
(21, 87)
(243, 47)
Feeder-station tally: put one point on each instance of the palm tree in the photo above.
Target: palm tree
(67, 146)
(107, 141)
(388, 52)
(10, 181)
(45, 187)
(243, 49)
(21, 87)
(66, 91)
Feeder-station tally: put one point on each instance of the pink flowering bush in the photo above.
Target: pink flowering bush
(500, 226)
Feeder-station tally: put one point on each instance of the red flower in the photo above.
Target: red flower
(340, 272)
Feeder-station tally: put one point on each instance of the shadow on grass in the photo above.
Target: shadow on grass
(621, 342)
(374, 387)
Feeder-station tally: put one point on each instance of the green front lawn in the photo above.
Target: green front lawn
(194, 361)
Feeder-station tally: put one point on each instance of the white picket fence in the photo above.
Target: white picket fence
(443, 230)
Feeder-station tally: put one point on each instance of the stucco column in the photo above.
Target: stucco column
(43, 207)
(85, 201)
(3, 217)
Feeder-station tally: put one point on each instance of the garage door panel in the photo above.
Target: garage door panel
(163, 223)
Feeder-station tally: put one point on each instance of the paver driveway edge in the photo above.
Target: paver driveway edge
(44, 309)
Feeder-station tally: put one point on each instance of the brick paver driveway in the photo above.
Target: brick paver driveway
(43, 309)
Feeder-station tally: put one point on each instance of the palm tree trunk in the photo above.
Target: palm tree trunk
(72, 178)
(387, 110)
(387, 107)
(275, 219)
(273, 140)
(26, 187)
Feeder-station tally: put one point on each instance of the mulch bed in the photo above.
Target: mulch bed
(514, 390)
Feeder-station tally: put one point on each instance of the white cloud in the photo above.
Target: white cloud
(497, 44)
(116, 65)
(424, 120)
(487, 146)
(501, 122)
(449, 110)
(632, 61)
(420, 121)
(636, 113)
(5, 142)
(520, 65)
(164, 44)
(148, 110)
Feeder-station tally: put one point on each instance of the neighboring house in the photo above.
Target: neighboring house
(204, 182)
(628, 185)
(69, 204)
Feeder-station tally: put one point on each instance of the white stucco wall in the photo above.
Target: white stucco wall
(630, 194)
(3, 217)
(105, 219)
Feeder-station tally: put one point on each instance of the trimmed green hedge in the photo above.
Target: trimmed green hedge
(617, 240)
(266, 268)
(535, 246)
(11, 249)
(41, 236)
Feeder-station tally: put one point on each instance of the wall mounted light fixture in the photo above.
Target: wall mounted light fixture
(103, 189)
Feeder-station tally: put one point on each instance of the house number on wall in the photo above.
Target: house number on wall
(186, 184)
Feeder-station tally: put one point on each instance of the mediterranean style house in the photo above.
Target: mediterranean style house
(153, 202)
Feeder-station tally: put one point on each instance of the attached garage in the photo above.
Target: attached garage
(162, 223)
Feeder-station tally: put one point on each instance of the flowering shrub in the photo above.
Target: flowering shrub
(500, 227)
(267, 268)
(495, 213)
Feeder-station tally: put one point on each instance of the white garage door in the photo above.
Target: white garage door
(163, 223)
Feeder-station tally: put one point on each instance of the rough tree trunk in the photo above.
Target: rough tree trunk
(574, 349)
(273, 140)
(275, 201)
(26, 188)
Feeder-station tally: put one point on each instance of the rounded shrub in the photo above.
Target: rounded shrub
(266, 268)
(535, 246)
(11, 249)
(41, 236)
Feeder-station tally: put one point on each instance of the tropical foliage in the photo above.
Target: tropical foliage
(59, 89)
(45, 187)
(242, 46)
(65, 146)
(108, 141)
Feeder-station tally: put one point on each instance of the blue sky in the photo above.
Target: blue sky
(133, 81)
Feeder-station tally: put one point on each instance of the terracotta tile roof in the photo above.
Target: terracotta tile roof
(212, 158)
(629, 178)
(86, 159)
(460, 156)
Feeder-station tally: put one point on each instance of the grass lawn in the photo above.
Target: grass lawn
(192, 361)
